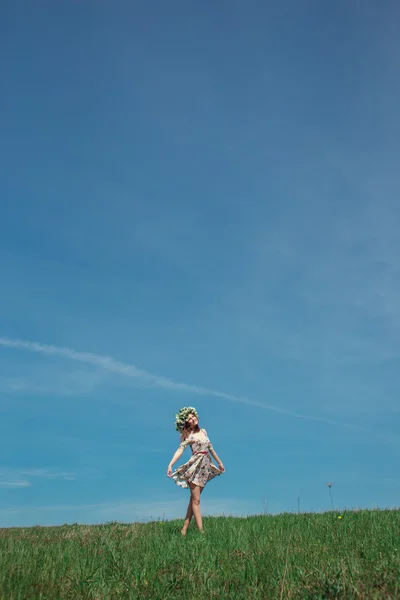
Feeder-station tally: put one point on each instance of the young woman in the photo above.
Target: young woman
(199, 469)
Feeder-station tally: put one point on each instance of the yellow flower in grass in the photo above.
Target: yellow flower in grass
(340, 516)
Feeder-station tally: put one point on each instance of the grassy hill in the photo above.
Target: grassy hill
(331, 555)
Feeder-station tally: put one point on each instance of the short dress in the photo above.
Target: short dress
(198, 469)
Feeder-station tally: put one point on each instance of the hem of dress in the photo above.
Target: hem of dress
(184, 483)
(180, 481)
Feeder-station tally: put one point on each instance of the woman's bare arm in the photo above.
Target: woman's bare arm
(175, 457)
(218, 460)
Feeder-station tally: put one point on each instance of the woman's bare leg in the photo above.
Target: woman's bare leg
(189, 514)
(195, 491)
(188, 518)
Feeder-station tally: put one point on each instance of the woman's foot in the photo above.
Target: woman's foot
(183, 532)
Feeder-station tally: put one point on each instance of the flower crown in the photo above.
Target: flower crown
(182, 415)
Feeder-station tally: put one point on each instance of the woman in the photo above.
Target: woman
(199, 469)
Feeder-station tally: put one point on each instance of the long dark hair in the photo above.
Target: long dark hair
(186, 431)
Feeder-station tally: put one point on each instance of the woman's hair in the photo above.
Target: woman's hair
(186, 431)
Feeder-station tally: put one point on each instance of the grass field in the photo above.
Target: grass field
(286, 556)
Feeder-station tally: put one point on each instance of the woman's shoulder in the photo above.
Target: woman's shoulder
(185, 439)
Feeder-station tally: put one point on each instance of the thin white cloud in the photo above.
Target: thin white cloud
(48, 474)
(54, 381)
(15, 484)
(17, 478)
(128, 370)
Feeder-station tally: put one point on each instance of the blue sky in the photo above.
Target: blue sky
(199, 207)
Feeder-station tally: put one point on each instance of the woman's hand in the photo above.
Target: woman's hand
(169, 471)
(221, 467)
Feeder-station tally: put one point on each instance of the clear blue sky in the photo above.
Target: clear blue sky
(199, 206)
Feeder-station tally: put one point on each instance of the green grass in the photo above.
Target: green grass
(305, 556)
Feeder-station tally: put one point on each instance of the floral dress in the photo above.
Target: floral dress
(198, 469)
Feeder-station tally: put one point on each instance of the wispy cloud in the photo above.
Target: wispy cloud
(48, 474)
(131, 371)
(54, 381)
(19, 478)
(15, 484)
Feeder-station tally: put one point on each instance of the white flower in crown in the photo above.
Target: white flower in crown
(182, 415)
